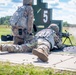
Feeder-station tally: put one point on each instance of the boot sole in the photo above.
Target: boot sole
(40, 55)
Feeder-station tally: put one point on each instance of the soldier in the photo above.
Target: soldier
(22, 23)
(46, 40)
(40, 45)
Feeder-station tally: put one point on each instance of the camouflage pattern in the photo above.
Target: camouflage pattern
(54, 27)
(58, 41)
(22, 19)
(27, 2)
(44, 45)
(47, 34)
(45, 39)
(20, 39)
(19, 18)
(27, 47)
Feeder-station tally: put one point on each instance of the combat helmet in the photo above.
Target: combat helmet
(27, 2)
(54, 27)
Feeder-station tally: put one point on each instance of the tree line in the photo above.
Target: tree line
(5, 21)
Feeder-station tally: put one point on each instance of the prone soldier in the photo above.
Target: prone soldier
(22, 23)
(40, 45)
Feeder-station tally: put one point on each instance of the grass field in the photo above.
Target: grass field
(72, 36)
(21, 69)
(4, 30)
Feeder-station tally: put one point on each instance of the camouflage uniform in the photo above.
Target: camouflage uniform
(39, 41)
(26, 47)
(57, 39)
(47, 39)
(40, 45)
(22, 23)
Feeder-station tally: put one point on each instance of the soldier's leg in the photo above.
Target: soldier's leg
(28, 37)
(14, 48)
(17, 38)
(42, 49)
(18, 41)
(18, 48)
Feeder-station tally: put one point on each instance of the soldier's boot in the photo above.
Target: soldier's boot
(42, 55)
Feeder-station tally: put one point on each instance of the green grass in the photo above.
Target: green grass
(73, 40)
(18, 69)
(4, 30)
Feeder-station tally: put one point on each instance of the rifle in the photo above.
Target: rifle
(67, 36)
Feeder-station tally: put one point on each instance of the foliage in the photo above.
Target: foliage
(4, 20)
(21, 69)
(65, 24)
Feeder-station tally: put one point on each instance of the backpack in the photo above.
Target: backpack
(17, 16)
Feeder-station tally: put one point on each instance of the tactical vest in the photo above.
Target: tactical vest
(18, 18)
(46, 34)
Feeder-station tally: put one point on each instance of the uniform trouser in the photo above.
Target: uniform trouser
(18, 40)
(19, 37)
(44, 45)
(27, 47)
(18, 34)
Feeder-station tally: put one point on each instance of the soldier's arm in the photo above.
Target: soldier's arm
(30, 19)
(58, 41)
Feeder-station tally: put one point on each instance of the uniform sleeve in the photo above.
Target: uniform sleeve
(30, 19)
(58, 41)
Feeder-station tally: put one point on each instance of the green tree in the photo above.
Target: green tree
(4, 20)
(65, 24)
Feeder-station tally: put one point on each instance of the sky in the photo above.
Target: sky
(62, 9)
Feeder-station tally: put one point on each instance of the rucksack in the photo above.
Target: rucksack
(17, 15)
